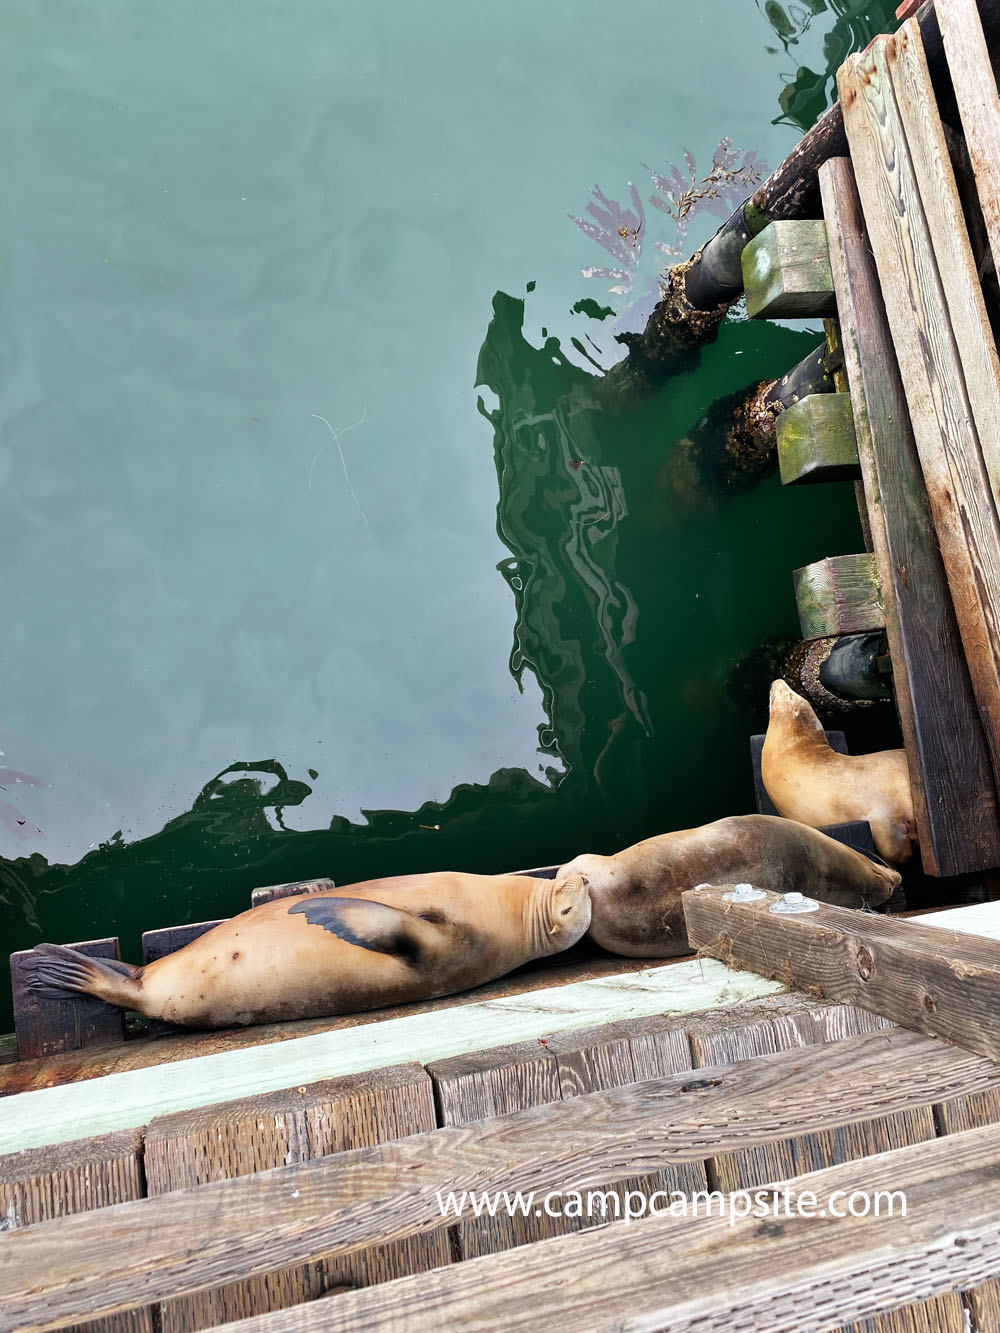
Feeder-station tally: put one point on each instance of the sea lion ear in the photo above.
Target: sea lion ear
(371, 925)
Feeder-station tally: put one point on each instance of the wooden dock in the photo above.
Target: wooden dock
(909, 228)
(290, 1177)
(316, 1205)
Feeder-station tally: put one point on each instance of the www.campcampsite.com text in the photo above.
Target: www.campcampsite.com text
(630, 1205)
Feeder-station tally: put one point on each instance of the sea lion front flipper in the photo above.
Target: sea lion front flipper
(376, 926)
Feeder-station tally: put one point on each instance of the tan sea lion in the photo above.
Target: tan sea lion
(366, 946)
(809, 782)
(636, 895)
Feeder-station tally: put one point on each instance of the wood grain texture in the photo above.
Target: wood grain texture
(796, 1275)
(786, 271)
(279, 1129)
(752, 1167)
(816, 440)
(944, 428)
(949, 235)
(975, 86)
(136, 1095)
(45, 1183)
(44, 1026)
(838, 595)
(955, 1117)
(338, 1204)
(933, 980)
(955, 801)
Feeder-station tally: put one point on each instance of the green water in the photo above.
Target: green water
(324, 552)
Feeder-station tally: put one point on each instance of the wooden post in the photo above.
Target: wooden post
(937, 981)
(290, 890)
(958, 820)
(47, 1027)
(786, 272)
(943, 344)
(158, 943)
(816, 440)
(838, 595)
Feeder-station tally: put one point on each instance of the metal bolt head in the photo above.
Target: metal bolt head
(743, 893)
(792, 903)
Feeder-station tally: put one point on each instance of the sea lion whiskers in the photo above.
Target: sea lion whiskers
(557, 913)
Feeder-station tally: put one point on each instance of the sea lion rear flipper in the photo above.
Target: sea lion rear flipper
(373, 925)
(56, 971)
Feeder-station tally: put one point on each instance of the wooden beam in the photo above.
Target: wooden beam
(957, 813)
(816, 440)
(271, 891)
(975, 85)
(48, 1027)
(132, 1097)
(942, 983)
(786, 272)
(45, 1183)
(296, 1125)
(936, 387)
(838, 595)
(88, 1265)
(750, 1168)
(804, 1271)
(907, 67)
(168, 939)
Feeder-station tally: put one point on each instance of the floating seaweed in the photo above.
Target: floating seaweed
(680, 196)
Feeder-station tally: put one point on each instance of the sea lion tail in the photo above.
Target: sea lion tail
(56, 971)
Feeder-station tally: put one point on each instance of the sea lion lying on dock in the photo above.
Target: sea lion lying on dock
(636, 894)
(812, 783)
(367, 946)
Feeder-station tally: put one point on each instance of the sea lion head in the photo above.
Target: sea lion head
(791, 707)
(599, 872)
(559, 912)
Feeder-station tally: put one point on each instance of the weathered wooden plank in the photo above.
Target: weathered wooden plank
(936, 388)
(975, 85)
(957, 814)
(838, 595)
(786, 272)
(168, 939)
(45, 1027)
(295, 1125)
(479, 1086)
(955, 1117)
(616, 1055)
(949, 235)
(752, 1167)
(338, 1204)
(816, 440)
(134, 1096)
(940, 982)
(269, 892)
(45, 1183)
(802, 1273)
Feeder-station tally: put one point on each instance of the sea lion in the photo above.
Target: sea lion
(636, 895)
(809, 782)
(379, 943)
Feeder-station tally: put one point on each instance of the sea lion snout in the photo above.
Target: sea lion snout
(783, 699)
(568, 911)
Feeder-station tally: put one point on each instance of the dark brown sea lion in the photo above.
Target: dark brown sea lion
(636, 894)
(809, 782)
(366, 946)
